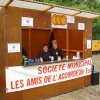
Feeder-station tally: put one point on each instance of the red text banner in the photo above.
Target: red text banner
(22, 78)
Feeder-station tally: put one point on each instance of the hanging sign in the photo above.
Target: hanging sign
(27, 21)
(88, 44)
(13, 47)
(58, 21)
(81, 26)
(70, 19)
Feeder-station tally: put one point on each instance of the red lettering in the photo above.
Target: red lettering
(79, 64)
(34, 81)
(47, 79)
(12, 87)
(40, 80)
(63, 66)
(49, 69)
(70, 65)
(88, 70)
(45, 69)
(17, 84)
(39, 69)
(54, 77)
(21, 84)
(52, 68)
(59, 78)
(28, 82)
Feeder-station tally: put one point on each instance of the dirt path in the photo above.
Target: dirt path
(88, 93)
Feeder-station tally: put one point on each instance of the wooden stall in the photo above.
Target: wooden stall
(75, 37)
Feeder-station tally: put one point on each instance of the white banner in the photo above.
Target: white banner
(22, 78)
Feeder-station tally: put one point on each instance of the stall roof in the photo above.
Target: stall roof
(62, 10)
(45, 7)
(88, 15)
(29, 5)
(4, 2)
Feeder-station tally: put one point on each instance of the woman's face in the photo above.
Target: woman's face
(54, 45)
(45, 48)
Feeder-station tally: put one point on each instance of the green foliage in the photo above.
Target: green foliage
(89, 5)
(96, 29)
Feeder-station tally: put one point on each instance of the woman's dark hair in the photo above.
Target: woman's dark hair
(44, 45)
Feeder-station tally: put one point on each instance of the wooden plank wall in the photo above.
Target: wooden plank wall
(87, 32)
(14, 29)
(2, 55)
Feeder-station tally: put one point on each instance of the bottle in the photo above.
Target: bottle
(66, 57)
(52, 59)
(59, 58)
(78, 55)
(25, 61)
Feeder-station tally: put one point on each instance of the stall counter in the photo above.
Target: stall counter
(19, 78)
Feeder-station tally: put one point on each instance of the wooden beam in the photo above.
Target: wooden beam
(75, 50)
(84, 43)
(10, 1)
(1, 6)
(64, 50)
(29, 43)
(72, 50)
(6, 4)
(38, 28)
(67, 40)
(61, 13)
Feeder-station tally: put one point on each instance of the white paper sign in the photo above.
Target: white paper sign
(20, 78)
(70, 19)
(26, 21)
(81, 26)
(13, 47)
(88, 44)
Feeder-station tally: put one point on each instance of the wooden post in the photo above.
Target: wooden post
(67, 45)
(29, 43)
(84, 44)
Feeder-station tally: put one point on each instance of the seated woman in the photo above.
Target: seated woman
(55, 51)
(45, 54)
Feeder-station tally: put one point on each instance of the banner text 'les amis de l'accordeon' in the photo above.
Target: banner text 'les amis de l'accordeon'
(22, 78)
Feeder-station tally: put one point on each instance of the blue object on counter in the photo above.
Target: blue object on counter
(37, 60)
(30, 61)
